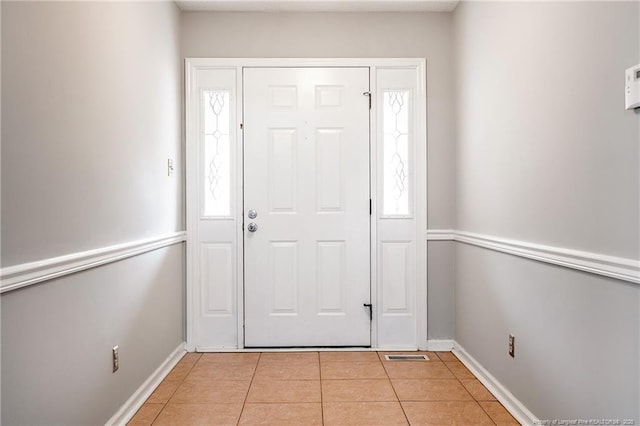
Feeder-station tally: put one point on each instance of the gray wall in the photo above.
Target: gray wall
(576, 334)
(546, 153)
(90, 114)
(91, 107)
(57, 338)
(440, 280)
(360, 35)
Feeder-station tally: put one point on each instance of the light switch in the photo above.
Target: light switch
(169, 166)
(632, 87)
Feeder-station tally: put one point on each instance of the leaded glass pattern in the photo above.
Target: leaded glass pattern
(395, 122)
(217, 153)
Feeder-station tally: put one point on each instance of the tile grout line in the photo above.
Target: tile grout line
(246, 397)
(473, 397)
(459, 380)
(394, 390)
(477, 400)
(164, 404)
(321, 391)
(488, 415)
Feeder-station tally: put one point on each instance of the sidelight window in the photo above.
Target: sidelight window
(395, 115)
(216, 153)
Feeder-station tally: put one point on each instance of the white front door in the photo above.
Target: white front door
(306, 178)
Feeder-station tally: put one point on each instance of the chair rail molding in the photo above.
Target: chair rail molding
(596, 263)
(26, 274)
(440, 235)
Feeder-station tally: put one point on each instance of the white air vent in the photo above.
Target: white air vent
(406, 358)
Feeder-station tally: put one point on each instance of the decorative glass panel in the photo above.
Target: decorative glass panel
(217, 153)
(395, 122)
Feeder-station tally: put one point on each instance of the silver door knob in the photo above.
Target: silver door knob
(252, 214)
(252, 227)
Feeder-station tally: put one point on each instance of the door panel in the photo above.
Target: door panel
(306, 163)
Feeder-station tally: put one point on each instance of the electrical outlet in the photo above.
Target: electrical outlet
(115, 358)
(512, 346)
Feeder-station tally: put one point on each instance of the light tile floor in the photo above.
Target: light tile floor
(320, 388)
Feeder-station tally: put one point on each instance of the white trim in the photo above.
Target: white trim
(239, 198)
(18, 276)
(440, 234)
(502, 394)
(373, 194)
(192, 65)
(421, 204)
(204, 349)
(216, 63)
(609, 266)
(133, 404)
(191, 207)
(440, 345)
(596, 263)
(318, 5)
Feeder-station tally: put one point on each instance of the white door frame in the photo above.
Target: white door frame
(412, 241)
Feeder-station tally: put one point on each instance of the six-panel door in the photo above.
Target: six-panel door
(306, 176)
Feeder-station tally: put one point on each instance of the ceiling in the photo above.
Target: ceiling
(318, 5)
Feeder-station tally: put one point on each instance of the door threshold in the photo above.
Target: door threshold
(308, 349)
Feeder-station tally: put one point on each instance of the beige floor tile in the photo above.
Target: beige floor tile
(146, 415)
(282, 414)
(363, 413)
(190, 358)
(179, 372)
(447, 356)
(446, 413)
(229, 358)
(197, 390)
(352, 370)
(288, 371)
(348, 357)
(284, 391)
(199, 414)
(269, 357)
(498, 413)
(164, 391)
(417, 370)
(215, 371)
(433, 357)
(357, 390)
(477, 390)
(459, 370)
(430, 390)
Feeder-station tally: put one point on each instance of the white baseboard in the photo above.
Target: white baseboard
(440, 345)
(502, 394)
(133, 404)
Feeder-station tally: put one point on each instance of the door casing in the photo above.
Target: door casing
(419, 183)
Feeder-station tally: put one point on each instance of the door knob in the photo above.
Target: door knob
(252, 214)
(252, 227)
